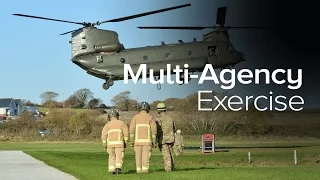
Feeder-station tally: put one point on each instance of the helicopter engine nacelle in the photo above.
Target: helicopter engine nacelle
(92, 40)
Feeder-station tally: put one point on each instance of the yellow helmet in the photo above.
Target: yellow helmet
(161, 107)
(178, 131)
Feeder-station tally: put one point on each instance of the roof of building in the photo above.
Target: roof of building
(16, 101)
(5, 102)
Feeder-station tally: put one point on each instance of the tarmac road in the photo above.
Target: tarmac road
(17, 165)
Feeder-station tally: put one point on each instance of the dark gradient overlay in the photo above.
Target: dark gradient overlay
(290, 42)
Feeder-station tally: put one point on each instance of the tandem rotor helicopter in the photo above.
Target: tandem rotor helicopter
(100, 53)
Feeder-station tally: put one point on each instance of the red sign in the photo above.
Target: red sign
(207, 136)
(208, 143)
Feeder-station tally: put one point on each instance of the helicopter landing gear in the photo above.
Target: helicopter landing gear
(182, 78)
(156, 78)
(109, 82)
(105, 86)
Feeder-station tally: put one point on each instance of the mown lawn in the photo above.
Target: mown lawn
(270, 160)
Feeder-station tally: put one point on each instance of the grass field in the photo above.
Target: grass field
(270, 160)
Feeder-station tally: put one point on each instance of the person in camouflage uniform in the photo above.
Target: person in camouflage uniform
(165, 136)
(178, 144)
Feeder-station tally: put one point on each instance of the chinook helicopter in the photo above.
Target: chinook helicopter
(100, 53)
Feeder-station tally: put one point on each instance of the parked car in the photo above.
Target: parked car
(33, 110)
(43, 132)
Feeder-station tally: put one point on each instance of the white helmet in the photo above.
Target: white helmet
(178, 131)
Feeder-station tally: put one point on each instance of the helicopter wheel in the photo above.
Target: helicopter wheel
(105, 86)
(110, 82)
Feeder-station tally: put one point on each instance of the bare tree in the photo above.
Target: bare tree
(103, 106)
(27, 103)
(172, 103)
(93, 103)
(99, 101)
(154, 104)
(122, 101)
(132, 103)
(74, 102)
(83, 95)
(48, 97)
(191, 120)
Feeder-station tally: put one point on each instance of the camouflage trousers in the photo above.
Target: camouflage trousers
(168, 160)
(177, 150)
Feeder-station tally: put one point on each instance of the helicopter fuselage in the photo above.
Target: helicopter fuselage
(104, 56)
(100, 53)
(195, 54)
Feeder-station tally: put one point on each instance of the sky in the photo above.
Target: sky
(36, 59)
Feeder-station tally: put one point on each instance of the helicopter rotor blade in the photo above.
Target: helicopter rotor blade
(248, 27)
(144, 14)
(37, 17)
(195, 27)
(221, 16)
(70, 31)
(174, 27)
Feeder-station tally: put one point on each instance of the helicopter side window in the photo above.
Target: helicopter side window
(213, 51)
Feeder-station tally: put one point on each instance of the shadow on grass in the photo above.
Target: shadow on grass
(259, 147)
(175, 170)
(224, 148)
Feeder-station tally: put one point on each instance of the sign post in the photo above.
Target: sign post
(208, 143)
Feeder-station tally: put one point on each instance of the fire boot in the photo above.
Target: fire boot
(118, 171)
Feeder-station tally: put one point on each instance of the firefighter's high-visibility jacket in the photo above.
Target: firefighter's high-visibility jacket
(143, 129)
(114, 133)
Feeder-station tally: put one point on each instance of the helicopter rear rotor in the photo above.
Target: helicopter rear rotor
(220, 21)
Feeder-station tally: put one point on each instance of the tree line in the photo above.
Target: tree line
(82, 98)
(67, 124)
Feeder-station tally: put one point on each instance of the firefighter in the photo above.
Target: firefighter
(143, 132)
(166, 137)
(114, 138)
(178, 144)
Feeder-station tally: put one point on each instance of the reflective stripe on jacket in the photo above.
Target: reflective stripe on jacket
(143, 128)
(114, 133)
